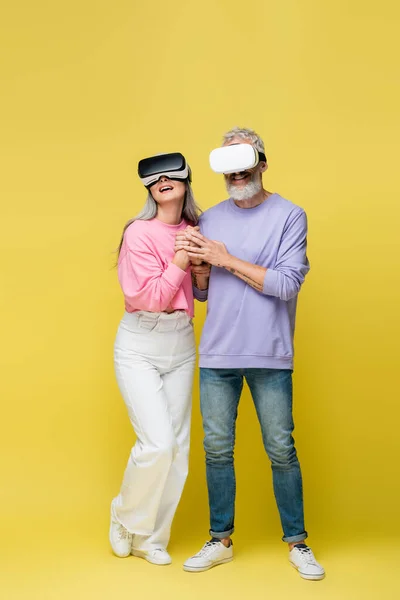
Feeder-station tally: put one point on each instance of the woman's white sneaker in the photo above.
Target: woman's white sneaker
(212, 553)
(120, 539)
(158, 556)
(302, 559)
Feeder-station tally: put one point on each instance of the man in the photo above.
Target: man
(256, 243)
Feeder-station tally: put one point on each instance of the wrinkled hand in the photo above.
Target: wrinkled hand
(183, 242)
(210, 251)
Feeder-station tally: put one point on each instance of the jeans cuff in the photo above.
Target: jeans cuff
(291, 539)
(221, 535)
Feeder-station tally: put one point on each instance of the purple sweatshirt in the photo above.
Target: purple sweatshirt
(244, 327)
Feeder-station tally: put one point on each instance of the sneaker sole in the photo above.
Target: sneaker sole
(201, 569)
(120, 555)
(141, 554)
(308, 577)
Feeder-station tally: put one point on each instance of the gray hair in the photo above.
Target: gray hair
(244, 134)
(190, 212)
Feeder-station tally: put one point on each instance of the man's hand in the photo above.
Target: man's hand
(214, 253)
(181, 238)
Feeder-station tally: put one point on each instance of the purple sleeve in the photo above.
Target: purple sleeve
(285, 279)
(200, 295)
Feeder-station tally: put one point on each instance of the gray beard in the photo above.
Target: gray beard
(246, 192)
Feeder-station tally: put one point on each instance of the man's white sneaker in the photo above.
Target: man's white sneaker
(120, 539)
(302, 559)
(212, 553)
(158, 556)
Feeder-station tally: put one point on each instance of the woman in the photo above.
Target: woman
(154, 360)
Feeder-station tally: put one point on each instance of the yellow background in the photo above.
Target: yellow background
(90, 87)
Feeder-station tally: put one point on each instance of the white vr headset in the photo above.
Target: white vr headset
(235, 158)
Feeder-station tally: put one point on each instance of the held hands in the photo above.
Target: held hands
(182, 242)
(181, 258)
(210, 251)
(200, 249)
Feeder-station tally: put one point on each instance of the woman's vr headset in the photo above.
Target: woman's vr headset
(173, 166)
(235, 158)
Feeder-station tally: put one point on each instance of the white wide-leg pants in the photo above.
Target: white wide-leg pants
(154, 358)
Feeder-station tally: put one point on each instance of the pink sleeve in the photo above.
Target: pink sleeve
(144, 282)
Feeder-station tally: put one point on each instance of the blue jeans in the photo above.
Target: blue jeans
(271, 390)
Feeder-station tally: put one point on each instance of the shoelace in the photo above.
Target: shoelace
(306, 555)
(207, 549)
(123, 533)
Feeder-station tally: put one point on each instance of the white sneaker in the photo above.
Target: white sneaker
(158, 556)
(302, 559)
(212, 554)
(120, 539)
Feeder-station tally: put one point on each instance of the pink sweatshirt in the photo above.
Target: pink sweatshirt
(148, 278)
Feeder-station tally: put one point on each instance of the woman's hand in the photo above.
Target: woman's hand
(181, 259)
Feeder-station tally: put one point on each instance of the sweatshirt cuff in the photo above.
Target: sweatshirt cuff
(270, 287)
(200, 295)
(174, 275)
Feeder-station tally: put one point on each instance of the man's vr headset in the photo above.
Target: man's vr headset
(173, 166)
(235, 158)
